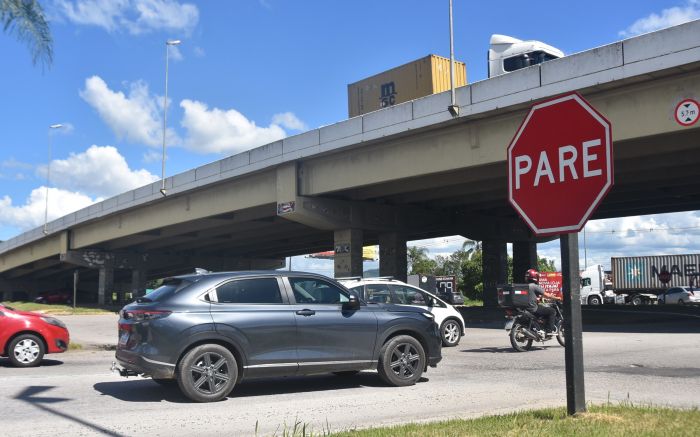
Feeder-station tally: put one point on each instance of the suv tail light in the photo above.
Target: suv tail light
(140, 315)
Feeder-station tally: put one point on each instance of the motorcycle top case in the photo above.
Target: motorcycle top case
(514, 295)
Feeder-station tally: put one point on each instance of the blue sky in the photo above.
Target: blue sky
(249, 72)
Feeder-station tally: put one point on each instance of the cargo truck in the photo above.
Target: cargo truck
(637, 280)
(431, 74)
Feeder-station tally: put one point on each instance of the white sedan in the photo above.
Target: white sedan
(681, 296)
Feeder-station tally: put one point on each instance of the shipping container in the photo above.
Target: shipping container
(654, 273)
(420, 78)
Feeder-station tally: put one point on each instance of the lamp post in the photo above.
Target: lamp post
(453, 108)
(169, 42)
(48, 179)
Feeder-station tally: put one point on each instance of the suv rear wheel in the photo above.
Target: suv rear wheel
(207, 373)
(401, 361)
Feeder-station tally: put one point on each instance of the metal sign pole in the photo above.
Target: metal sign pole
(75, 287)
(575, 390)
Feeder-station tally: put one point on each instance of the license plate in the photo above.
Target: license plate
(509, 325)
(124, 338)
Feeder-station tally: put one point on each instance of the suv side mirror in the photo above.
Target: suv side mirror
(353, 302)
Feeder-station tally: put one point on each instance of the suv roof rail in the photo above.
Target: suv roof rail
(383, 277)
(200, 271)
(349, 278)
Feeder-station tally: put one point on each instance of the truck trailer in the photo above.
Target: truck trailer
(637, 280)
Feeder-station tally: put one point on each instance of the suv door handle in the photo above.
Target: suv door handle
(306, 312)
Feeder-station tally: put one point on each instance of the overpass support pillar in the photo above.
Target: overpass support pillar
(348, 252)
(524, 258)
(495, 269)
(392, 255)
(138, 282)
(105, 284)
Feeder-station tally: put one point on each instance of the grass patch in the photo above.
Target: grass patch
(57, 308)
(473, 302)
(600, 421)
(75, 346)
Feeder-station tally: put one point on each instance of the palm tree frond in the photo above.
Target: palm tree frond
(25, 18)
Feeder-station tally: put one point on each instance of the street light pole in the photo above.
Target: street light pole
(453, 108)
(48, 178)
(173, 42)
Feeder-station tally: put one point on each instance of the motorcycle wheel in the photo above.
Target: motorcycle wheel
(560, 335)
(518, 340)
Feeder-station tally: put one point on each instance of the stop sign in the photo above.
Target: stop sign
(560, 165)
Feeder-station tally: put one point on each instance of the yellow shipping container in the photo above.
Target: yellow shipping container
(420, 78)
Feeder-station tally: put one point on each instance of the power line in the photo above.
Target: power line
(651, 229)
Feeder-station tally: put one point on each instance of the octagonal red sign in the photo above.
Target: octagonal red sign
(560, 165)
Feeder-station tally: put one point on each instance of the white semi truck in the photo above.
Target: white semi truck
(638, 280)
(508, 54)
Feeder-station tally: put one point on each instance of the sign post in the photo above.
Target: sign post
(562, 152)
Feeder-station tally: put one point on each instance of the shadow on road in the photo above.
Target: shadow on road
(507, 350)
(145, 390)
(4, 362)
(141, 390)
(31, 395)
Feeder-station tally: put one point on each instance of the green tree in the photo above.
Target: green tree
(25, 19)
(418, 261)
(545, 265)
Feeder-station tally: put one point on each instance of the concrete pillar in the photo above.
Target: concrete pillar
(105, 284)
(495, 269)
(524, 258)
(138, 282)
(392, 255)
(348, 252)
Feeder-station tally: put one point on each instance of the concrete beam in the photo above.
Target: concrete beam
(392, 255)
(348, 253)
(49, 246)
(524, 258)
(495, 269)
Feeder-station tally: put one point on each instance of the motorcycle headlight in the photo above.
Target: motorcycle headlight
(55, 322)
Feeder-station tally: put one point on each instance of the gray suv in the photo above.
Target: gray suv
(210, 331)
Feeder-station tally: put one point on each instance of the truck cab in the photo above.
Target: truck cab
(508, 54)
(596, 288)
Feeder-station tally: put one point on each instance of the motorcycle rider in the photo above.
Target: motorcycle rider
(532, 277)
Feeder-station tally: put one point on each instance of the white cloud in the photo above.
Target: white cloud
(136, 117)
(133, 16)
(199, 52)
(98, 172)
(151, 156)
(174, 53)
(668, 17)
(228, 131)
(289, 121)
(78, 181)
(659, 234)
(31, 214)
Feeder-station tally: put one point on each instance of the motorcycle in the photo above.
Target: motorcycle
(525, 328)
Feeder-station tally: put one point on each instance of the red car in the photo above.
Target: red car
(25, 336)
(54, 297)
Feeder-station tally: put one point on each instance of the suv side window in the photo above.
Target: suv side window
(378, 293)
(258, 290)
(316, 291)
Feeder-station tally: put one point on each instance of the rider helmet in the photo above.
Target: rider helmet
(532, 275)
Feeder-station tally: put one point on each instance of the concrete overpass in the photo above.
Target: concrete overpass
(406, 172)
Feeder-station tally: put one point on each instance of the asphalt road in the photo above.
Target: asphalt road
(75, 394)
